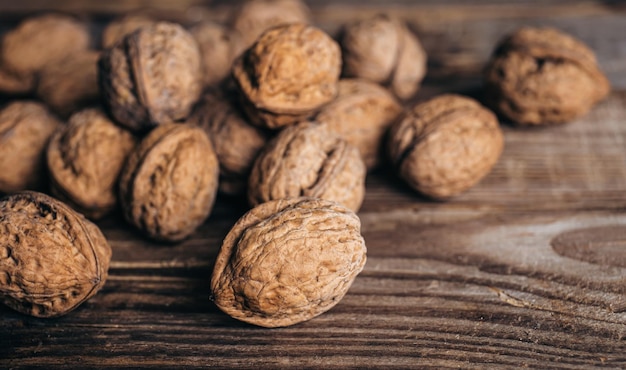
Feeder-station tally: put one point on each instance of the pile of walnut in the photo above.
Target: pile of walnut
(163, 117)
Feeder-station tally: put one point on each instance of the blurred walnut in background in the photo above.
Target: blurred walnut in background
(118, 28)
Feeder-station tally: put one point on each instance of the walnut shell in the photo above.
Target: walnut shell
(308, 160)
(290, 72)
(70, 83)
(40, 40)
(151, 77)
(13, 84)
(117, 29)
(236, 142)
(382, 49)
(541, 75)
(51, 258)
(287, 261)
(252, 18)
(445, 145)
(85, 159)
(169, 182)
(25, 128)
(361, 114)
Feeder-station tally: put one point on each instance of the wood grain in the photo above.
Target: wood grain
(527, 269)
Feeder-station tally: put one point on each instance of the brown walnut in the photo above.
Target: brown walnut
(117, 29)
(169, 182)
(51, 258)
(383, 50)
(85, 159)
(308, 160)
(151, 77)
(13, 84)
(288, 74)
(25, 128)
(361, 114)
(254, 17)
(70, 83)
(237, 143)
(287, 261)
(541, 75)
(445, 145)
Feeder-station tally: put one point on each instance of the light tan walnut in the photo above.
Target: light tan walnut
(361, 114)
(287, 261)
(308, 160)
(117, 29)
(445, 145)
(382, 49)
(51, 258)
(541, 75)
(85, 159)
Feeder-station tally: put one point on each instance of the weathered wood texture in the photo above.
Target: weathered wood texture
(526, 269)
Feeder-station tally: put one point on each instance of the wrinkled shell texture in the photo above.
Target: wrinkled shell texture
(116, 30)
(236, 142)
(256, 16)
(308, 160)
(361, 114)
(288, 261)
(444, 146)
(291, 69)
(40, 40)
(541, 76)
(71, 83)
(51, 258)
(383, 50)
(152, 77)
(25, 128)
(169, 183)
(219, 47)
(85, 159)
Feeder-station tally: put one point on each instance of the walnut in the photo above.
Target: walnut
(25, 128)
(51, 258)
(236, 142)
(70, 83)
(85, 159)
(117, 29)
(308, 160)
(219, 46)
(169, 182)
(254, 17)
(13, 84)
(383, 50)
(151, 77)
(40, 40)
(541, 75)
(288, 74)
(361, 114)
(444, 146)
(287, 261)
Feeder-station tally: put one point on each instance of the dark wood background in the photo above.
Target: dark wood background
(527, 269)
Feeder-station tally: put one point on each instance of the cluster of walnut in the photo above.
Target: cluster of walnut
(268, 106)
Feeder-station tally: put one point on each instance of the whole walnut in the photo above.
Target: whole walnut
(25, 128)
(288, 74)
(445, 145)
(169, 182)
(70, 83)
(361, 114)
(541, 75)
(253, 17)
(237, 143)
(383, 50)
(308, 160)
(51, 258)
(219, 46)
(151, 77)
(41, 40)
(287, 261)
(85, 159)
(118, 28)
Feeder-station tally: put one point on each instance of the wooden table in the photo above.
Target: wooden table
(526, 269)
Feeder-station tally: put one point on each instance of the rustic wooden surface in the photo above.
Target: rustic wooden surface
(526, 269)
